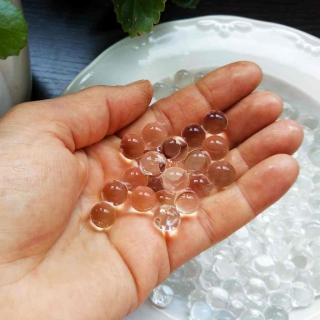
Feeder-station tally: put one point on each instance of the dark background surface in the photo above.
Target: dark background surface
(66, 35)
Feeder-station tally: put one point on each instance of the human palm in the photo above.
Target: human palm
(57, 154)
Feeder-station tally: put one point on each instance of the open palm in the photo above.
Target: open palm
(57, 154)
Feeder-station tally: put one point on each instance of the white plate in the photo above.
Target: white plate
(290, 60)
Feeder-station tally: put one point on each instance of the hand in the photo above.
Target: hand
(57, 154)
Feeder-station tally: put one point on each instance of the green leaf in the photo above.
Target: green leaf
(190, 4)
(13, 30)
(138, 16)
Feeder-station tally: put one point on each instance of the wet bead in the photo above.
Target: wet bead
(165, 197)
(280, 299)
(154, 183)
(308, 121)
(289, 112)
(216, 146)
(255, 289)
(176, 164)
(302, 294)
(115, 192)
(223, 251)
(221, 173)
(314, 247)
(143, 199)
(217, 298)
(206, 258)
(175, 148)
(233, 286)
(161, 90)
(314, 281)
(183, 78)
(103, 215)
(195, 296)
(272, 281)
(314, 156)
(133, 178)
(215, 122)
(175, 179)
(197, 161)
(279, 251)
(187, 202)
(200, 184)
(224, 268)
(209, 279)
(241, 255)
(176, 276)
(193, 134)
(191, 270)
(162, 296)
(252, 314)
(275, 313)
(152, 163)
(154, 134)
(198, 76)
(201, 311)
(223, 315)
(132, 146)
(286, 270)
(263, 263)
(236, 307)
(167, 218)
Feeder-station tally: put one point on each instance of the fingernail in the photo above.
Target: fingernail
(136, 82)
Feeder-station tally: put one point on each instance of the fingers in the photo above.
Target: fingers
(86, 117)
(218, 90)
(233, 207)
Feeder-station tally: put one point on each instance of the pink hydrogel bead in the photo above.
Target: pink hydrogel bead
(187, 202)
(115, 191)
(221, 173)
(194, 134)
(175, 179)
(165, 197)
(132, 146)
(197, 161)
(143, 199)
(215, 122)
(154, 134)
(133, 178)
(103, 215)
(216, 146)
(200, 184)
(152, 163)
(167, 218)
(175, 148)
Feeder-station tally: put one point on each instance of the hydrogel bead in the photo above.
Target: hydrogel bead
(133, 178)
(183, 78)
(209, 279)
(193, 134)
(249, 271)
(197, 161)
(175, 179)
(206, 258)
(302, 276)
(255, 289)
(175, 148)
(192, 270)
(252, 314)
(177, 275)
(314, 202)
(103, 215)
(308, 121)
(217, 298)
(115, 192)
(143, 199)
(216, 146)
(167, 218)
(198, 76)
(174, 88)
(132, 146)
(289, 112)
(154, 183)
(314, 247)
(200, 184)
(302, 259)
(183, 289)
(165, 197)
(236, 307)
(152, 163)
(223, 251)
(279, 251)
(162, 296)
(201, 311)
(286, 270)
(161, 90)
(263, 263)
(314, 282)
(187, 202)
(272, 281)
(275, 231)
(280, 299)
(241, 255)
(302, 294)
(233, 286)
(225, 269)
(241, 236)
(223, 315)
(215, 122)
(154, 134)
(308, 137)
(275, 313)
(314, 156)
(195, 296)
(221, 174)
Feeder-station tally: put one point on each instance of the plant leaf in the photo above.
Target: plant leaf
(190, 4)
(13, 30)
(138, 16)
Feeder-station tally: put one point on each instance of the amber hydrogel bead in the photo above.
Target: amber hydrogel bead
(187, 202)
(175, 148)
(200, 184)
(197, 161)
(215, 122)
(133, 177)
(143, 199)
(152, 163)
(155, 183)
(221, 173)
(154, 134)
(103, 215)
(132, 146)
(175, 179)
(115, 191)
(193, 134)
(216, 146)
(165, 197)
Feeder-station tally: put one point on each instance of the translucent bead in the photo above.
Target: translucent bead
(133, 178)
(255, 289)
(255, 305)
(165, 197)
(254, 245)
(143, 199)
(161, 90)
(275, 231)
(263, 263)
(225, 269)
(162, 296)
(216, 146)
(183, 78)
(194, 134)
(206, 258)
(236, 307)
(215, 122)
(302, 294)
(187, 202)
(314, 156)
(289, 112)
(302, 259)
(241, 236)
(308, 137)
(174, 88)
(209, 279)
(198, 76)
(223, 315)
(317, 136)
(302, 276)
(177, 275)
(241, 255)
(167, 218)
(115, 192)
(218, 298)
(223, 251)
(314, 247)
(249, 271)
(275, 313)
(221, 173)
(132, 146)
(154, 183)
(305, 185)
(175, 148)
(252, 314)
(192, 270)
(308, 121)
(316, 266)
(279, 251)
(272, 281)
(285, 270)
(200, 184)
(233, 286)
(154, 134)
(312, 230)
(316, 178)
(183, 289)
(175, 179)
(201, 311)
(178, 164)
(314, 281)
(280, 299)
(152, 163)
(195, 296)
(314, 202)
(197, 161)
(103, 215)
